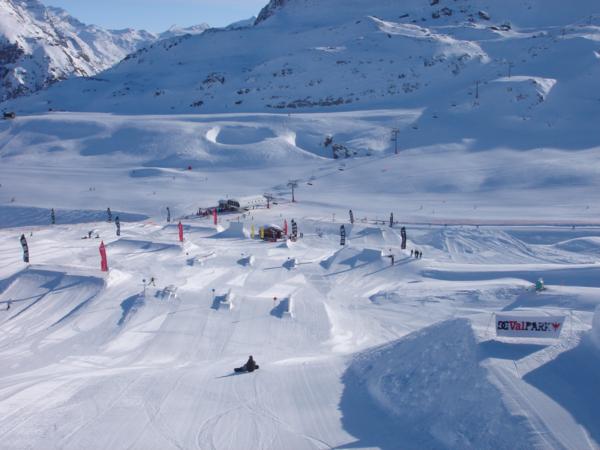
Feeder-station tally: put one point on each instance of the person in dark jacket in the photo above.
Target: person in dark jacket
(250, 366)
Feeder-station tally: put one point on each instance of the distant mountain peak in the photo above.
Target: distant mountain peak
(269, 10)
(41, 45)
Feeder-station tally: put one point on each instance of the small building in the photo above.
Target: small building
(246, 203)
(223, 205)
(272, 233)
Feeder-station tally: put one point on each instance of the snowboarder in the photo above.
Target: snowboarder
(8, 305)
(539, 285)
(109, 214)
(250, 366)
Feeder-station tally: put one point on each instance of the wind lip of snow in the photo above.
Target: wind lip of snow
(448, 44)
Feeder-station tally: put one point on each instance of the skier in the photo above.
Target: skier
(250, 366)
(392, 257)
(412, 253)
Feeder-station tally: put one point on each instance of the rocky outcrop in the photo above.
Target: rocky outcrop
(269, 10)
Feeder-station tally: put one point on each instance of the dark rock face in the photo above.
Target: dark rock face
(269, 10)
(10, 53)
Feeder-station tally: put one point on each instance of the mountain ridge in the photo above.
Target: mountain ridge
(41, 45)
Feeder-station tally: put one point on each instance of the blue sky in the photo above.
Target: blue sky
(158, 15)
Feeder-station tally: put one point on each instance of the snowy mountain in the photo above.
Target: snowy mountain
(40, 45)
(452, 57)
(176, 31)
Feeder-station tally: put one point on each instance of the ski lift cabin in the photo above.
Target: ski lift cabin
(246, 203)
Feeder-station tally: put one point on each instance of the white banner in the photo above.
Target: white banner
(529, 326)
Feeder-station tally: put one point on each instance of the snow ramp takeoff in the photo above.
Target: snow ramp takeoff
(428, 390)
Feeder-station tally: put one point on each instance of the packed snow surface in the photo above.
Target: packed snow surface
(353, 351)
(360, 346)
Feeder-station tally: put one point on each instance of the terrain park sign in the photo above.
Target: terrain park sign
(529, 326)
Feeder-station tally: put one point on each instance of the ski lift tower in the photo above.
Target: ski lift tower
(395, 132)
(269, 198)
(293, 184)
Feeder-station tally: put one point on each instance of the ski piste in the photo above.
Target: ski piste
(492, 173)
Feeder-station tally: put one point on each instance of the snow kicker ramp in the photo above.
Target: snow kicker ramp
(353, 257)
(137, 247)
(45, 307)
(375, 236)
(428, 390)
(236, 230)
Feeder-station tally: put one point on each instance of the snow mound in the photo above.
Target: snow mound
(132, 246)
(236, 230)
(385, 297)
(352, 257)
(432, 383)
(528, 91)
(587, 245)
(376, 236)
(596, 328)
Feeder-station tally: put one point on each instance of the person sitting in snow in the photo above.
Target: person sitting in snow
(250, 366)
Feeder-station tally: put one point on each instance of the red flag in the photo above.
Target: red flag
(285, 230)
(180, 232)
(215, 216)
(103, 260)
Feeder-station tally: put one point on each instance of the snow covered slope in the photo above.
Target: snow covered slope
(41, 45)
(492, 65)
